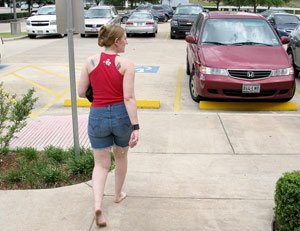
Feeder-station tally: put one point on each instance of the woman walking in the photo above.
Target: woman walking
(113, 121)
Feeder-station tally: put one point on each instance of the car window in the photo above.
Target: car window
(198, 25)
(235, 31)
(140, 16)
(46, 11)
(286, 19)
(98, 13)
(188, 10)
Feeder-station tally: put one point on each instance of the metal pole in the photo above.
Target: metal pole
(70, 31)
(15, 12)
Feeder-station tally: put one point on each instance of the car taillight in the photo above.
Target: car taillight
(149, 23)
(129, 23)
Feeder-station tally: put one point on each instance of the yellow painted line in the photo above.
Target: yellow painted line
(48, 105)
(140, 103)
(248, 106)
(37, 85)
(50, 72)
(178, 89)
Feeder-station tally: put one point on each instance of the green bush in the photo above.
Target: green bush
(55, 153)
(28, 153)
(13, 115)
(9, 16)
(287, 202)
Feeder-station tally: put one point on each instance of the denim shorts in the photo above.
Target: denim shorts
(109, 125)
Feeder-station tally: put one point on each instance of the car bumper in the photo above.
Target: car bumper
(42, 30)
(224, 87)
(140, 30)
(180, 31)
(89, 30)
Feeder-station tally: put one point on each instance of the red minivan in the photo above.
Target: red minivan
(237, 55)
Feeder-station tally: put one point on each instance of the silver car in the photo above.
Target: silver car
(97, 16)
(141, 23)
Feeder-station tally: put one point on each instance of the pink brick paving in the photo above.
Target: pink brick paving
(54, 130)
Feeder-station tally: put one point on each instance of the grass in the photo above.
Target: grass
(27, 168)
(9, 35)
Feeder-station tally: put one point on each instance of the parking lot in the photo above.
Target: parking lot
(215, 169)
(160, 72)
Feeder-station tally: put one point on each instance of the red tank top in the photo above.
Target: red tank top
(107, 82)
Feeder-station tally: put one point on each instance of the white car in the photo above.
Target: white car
(43, 22)
(1, 49)
(97, 16)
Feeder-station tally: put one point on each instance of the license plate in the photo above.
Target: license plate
(40, 32)
(251, 88)
(94, 29)
(139, 24)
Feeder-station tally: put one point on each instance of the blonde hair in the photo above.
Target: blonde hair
(108, 34)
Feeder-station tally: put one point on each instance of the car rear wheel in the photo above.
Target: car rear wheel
(124, 20)
(291, 57)
(61, 35)
(82, 35)
(172, 36)
(193, 90)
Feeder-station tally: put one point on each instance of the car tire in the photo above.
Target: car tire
(166, 18)
(61, 35)
(32, 36)
(124, 20)
(291, 57)
(188, 71)
(172, 36)
(82, 35)
(192, 86)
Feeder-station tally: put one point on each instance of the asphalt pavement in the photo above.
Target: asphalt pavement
(192, 169)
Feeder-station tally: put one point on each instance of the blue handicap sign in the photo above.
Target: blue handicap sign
(3, 66)
(146, 69)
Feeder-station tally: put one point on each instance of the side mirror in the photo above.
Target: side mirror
(284, 39)
(190, 39)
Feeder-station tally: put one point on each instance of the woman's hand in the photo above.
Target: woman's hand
(134, 138)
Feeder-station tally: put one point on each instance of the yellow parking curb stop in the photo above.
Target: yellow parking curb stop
(249, 106)
(141, 103)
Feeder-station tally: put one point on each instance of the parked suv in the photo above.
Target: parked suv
(283, 23)
(165, 9)
(183, 19)
(97, 16)
(43, 22)
(294, 50)
(235, 55)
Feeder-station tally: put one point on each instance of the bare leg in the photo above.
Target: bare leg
(120, 172)
(100, 171)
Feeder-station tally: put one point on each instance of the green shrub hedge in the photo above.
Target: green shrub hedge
(287, 202)
(9, 16)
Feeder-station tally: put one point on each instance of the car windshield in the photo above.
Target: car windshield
(98, 13)
(286, 19)
(188, 10)
(140, 16)
(238, 32)
(46, 11)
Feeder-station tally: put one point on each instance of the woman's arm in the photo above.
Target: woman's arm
(129, 100)
(84, 81)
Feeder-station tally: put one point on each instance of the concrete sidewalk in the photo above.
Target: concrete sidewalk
(196, 171)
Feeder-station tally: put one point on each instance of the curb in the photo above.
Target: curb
(141, 103)
(249, 106)
(14, 38)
